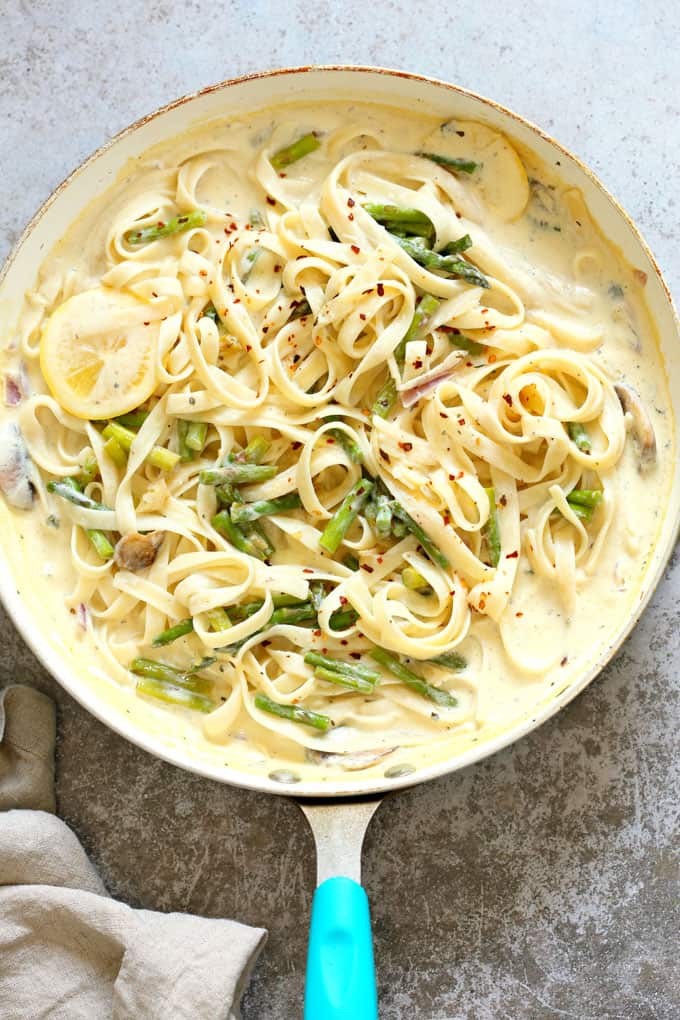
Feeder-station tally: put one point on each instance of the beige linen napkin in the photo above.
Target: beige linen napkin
(67, 950)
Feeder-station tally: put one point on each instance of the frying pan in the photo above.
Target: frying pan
(340, 980)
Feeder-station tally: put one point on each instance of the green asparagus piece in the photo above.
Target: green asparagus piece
(345, 515)
(100, 543)
(241, 513)
(237, 474)
(383, 515)
(424, 311)
(386, 399)
(154, 670)
(399, 529)
(173, 694)
(226, 495)
(256, 219)
(292, 153)
(491, 531)
(185, 454)
(465, 166)
(413, 680)
(210, 312)
(89, 469)
(413, 579)
(166, 637)
(351, 562)
(450, 660)
(356, 683)
(428, 545)
(411, 221)
(349, 445)
(355, 669)
(133, 419)
(197, 433)
(317, 593)
(341, 619)
(461, 244)
(258, 536)
(176, 225)
(254, 453)
(584, 502)
(293, 712)
(246, 609)
(218, 618)
(299, 310)
(116, 452)
(448, 264)
(579, 436)
(223, 523)
(465, 344)
(159, 457)
(292, 615)
(69, 488)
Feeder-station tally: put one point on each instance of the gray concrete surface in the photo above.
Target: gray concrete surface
(543, 882)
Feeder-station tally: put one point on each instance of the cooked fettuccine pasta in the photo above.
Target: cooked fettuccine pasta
(332, 425)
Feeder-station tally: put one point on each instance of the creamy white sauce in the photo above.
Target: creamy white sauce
(560, 265)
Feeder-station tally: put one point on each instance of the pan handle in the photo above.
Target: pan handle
(340, 970)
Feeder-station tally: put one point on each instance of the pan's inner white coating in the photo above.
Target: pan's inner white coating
(385, 408)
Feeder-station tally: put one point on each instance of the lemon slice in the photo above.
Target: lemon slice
(98, 353)
(501, 177)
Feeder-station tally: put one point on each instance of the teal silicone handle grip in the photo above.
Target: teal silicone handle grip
(340, 971)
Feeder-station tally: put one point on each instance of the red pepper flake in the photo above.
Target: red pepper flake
(330, 440)
(265, 329)
(417, 363)
(365, 566)
(452, 594)
(461, 421)
(508, 399)
(381, 290)
(270, 200)
(295, 444)
(379, 559)
(154, 294)
(307, 570)
(519, 614)
(355, 655)
(351, 203)
(491, 359)
(442, 415)
(344, 641)
(563, 661)
(350, 216)
(459, 216)
(343, 600)
(512, 555)
(503, 500)
(482, 603)
(237, 300)
(362, 316)
(248, 348)
(277, 268)
(640, 276)
(406, 447)
(485, 311)
(452, 478)
(147, 323)
(316, 633)
(356, 249)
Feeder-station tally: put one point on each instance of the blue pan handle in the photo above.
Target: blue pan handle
(340, 969)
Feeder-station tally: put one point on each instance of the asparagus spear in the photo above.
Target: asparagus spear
(116, 452)
(241, 513)
(166, 637)
(341, 619)
(464, 343)
(100, 543)
(292, 153)
(411, 221)
(69, 488)
(465, 166)
(491, 532)
(383, 515)
(317, 593)
(247, 609)
(226, 495)
(159, 457)
(237, 474)
(345, 515)
(386, 398)
(450, 660)
(257, 535)
(584, 502)
(354, 669)
(579, 436)
(399, 529)
(133, 419)
(293, 712)
(351, 562)
(349, 445)
(343, 680)
(387, 395)
(173, 694)
(413, 680)
(185, 454)
(176, 225)
(254, 453)
(299, 310)
(413, 579)
(442, 263)
(223, 523)
(197, 433)
(218, 619)
(154, 670)
(461, 244)
(210, 312)
(292, 615)
(428, 545)
(89, 469)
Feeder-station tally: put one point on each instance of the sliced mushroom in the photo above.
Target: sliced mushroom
(642, 428)
(136, 552)
(352, 761)
(16, 468)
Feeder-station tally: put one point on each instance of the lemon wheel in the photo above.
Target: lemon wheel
(98, 353)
